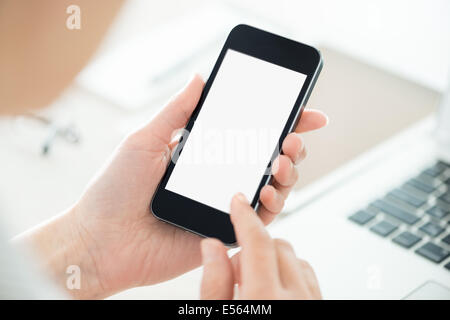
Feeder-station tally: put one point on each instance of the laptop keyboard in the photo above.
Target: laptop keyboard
(415, 215)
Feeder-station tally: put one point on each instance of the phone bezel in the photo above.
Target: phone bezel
(202, 219)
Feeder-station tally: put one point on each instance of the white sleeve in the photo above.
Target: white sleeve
(19, 276)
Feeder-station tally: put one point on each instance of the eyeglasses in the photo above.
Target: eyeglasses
(31, 130)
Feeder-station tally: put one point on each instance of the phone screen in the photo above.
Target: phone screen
(236, 131)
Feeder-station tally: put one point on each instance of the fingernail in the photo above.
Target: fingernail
(299, 156)
(241, 198)
(328, 119)
(188, 82)
(191, 77)
(167, 154)
(275, 165)
(209, 251)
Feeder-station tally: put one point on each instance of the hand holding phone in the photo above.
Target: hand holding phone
(252, 100)
(126, 244)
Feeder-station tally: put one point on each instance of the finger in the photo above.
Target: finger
(269, 211)
(271, 199)
(266, 216)
(290, 272)
(294, 147)
(217, 281)
(284, 173)
(176, 113)
(311, 119)
(235, 262)
(258, 257)
(172, 145)
(309, 278)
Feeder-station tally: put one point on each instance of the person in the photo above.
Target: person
(109, 232)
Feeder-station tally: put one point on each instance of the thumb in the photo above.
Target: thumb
(176, 113)
(217, 281)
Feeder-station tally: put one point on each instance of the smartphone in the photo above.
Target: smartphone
(252, 100)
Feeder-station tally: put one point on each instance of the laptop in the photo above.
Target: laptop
(379, 226)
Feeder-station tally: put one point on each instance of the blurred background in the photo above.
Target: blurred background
(385, 66)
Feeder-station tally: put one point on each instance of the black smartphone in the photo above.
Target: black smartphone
(252, 100)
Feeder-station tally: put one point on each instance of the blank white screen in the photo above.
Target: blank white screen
(236, 131)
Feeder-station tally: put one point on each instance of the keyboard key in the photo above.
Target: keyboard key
(445, 197)
(445, 164)
(446, 239)
(406, 239)
(407, 197)
(431, 229)
(428, 180)
(447, 181)
(384, 228)
(437, 212)
(362, 217)
(402, 205)
(436, 169)
(433, 252)
(394, 211)
(443, 205)
(421, 186)
(447, 266)
(431, 172)
(415, 192)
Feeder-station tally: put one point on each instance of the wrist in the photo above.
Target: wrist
(65, 255)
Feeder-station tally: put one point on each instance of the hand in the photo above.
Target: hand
(119, 243)
(265, 268)
(130, 247)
